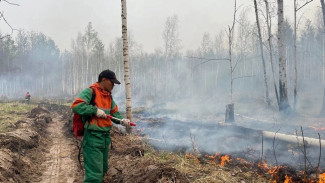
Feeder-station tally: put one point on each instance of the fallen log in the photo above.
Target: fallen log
(292, 138)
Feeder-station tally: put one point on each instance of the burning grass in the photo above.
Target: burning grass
(287, 174)
(218, 168)
(12, 112)
(132, 160)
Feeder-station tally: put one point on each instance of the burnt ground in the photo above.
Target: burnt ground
(42, 148)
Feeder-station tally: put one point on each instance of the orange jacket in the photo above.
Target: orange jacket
(103, 100)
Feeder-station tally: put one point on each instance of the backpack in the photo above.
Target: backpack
(78, 125)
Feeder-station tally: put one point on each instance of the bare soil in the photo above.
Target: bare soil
(23, 146)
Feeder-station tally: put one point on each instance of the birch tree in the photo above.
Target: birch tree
(171, 47)
(171, 38)
(296, 9)
(262, 56)
(323, 11)
(22, 49)
(269, 40)
(283, 87)
(126, 64)
(93, 48)
(230, 107)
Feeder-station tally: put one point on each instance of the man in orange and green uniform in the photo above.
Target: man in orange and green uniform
(27, 98)
(97, 126)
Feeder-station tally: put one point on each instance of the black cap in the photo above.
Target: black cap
(109, 75)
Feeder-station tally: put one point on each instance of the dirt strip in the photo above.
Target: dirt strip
(59, 162)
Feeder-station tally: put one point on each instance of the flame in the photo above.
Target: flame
(214, 156)
(213, 159)
(322, 178)
(288, 179)
(274, 170)
(262, 164)
(192, 157)
(224, 159)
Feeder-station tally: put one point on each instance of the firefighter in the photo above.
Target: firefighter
(27, 98)
(97, 128)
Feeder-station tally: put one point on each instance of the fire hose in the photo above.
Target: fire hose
(111, 117)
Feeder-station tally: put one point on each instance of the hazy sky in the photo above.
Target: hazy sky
(63, 19)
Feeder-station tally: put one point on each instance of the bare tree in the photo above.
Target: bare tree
(206, 45)
(171, 47)
(2, 17)
(268, 101)
(126, 64)
(230, 33)
(323, 10)
(170, 37)
(283, 87)
(90, 41)
(296, 9)
(206, 50)
(229, 115)
(269, 32)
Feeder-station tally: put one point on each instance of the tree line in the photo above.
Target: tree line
(31, 61)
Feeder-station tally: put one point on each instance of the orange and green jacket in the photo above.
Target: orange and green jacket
(104, 101)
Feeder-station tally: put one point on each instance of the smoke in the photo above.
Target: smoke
(31, 63)
(186, 95)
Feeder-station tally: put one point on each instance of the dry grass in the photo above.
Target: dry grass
(12, 112)
(199, 170)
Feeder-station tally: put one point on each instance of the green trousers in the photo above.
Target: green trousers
(95, 152)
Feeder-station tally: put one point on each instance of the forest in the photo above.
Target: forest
(31, 61)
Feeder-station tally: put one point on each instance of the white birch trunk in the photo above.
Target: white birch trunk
(323, 10)
(323, 78)
(262, 55)
(269, 30)
(229, 117)
(295, 55)
(126, 63)
(284, 103)
(230, 64)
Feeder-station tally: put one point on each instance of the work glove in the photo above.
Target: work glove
(125, 122)
(100, 114)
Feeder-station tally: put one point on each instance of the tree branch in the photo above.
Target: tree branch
(238, 60)
(303, 5)
(208, 60)
(300, 19)
(10, 3)
(243, 77)
(12, 29)
(3, 17)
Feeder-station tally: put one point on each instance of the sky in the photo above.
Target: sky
(63, 19)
